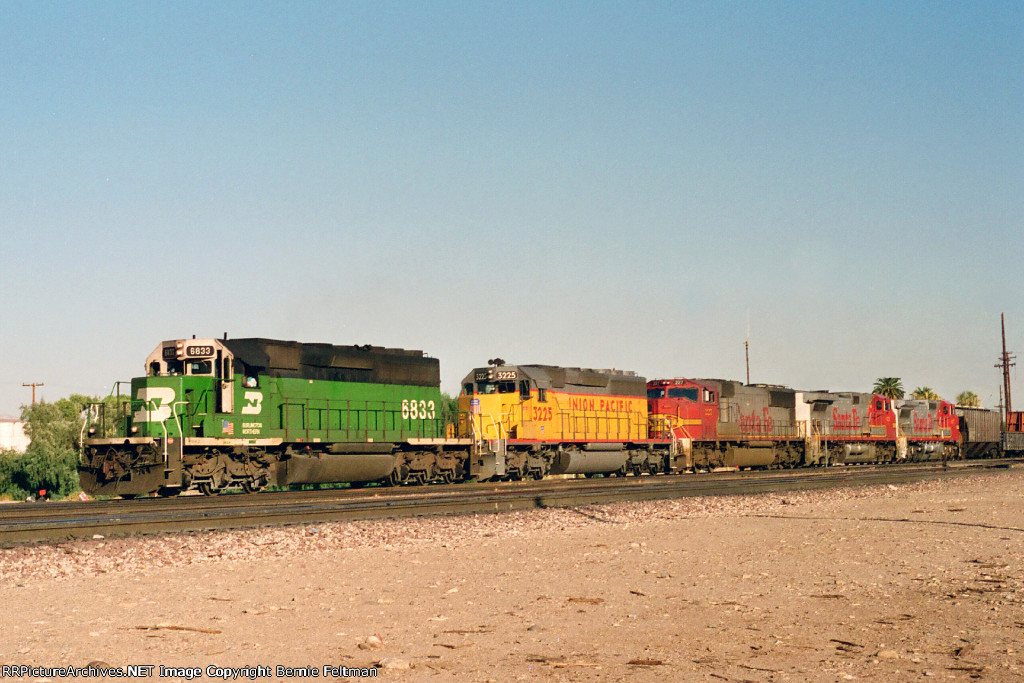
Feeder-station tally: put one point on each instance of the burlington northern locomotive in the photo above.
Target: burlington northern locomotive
(218, 414)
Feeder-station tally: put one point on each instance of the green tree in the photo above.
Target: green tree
(925, 394)
(968, 399)
(449, 412)
(890, 387)
(51, 460)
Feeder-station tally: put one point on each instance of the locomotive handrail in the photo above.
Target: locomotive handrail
(176, 415)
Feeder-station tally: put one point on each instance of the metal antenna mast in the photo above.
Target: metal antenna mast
(1006, 362)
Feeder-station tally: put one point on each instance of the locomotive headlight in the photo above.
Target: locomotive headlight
(135, 429)
(92, 431)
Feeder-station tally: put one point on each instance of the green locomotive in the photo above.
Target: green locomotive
(216, 414)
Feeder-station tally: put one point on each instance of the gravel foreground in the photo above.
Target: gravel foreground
(907, 582)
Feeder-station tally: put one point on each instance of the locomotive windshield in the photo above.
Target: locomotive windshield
(689, 393)
(495, 387)
(203, 368)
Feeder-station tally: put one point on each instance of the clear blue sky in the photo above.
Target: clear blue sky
(579, 183)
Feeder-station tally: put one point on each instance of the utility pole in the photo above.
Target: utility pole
(1006, 362)
(746, 348)
(33, 385)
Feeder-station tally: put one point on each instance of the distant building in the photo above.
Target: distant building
(12, 435)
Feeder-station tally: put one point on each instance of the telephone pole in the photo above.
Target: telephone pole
(1006, 362)
(33, 385)
(746, 347)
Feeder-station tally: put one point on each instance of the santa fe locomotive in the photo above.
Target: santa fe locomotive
(216, 414)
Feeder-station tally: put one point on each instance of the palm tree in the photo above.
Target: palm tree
(968, 399)
(925, 394)
(890, 387)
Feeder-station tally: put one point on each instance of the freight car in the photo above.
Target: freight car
(1013, 436)
(215, 414)
(979, 432)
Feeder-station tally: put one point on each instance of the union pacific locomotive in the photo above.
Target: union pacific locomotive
(216, 414)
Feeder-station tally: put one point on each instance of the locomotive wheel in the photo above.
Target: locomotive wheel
(207, 489)
(398, 476)
(447, 476)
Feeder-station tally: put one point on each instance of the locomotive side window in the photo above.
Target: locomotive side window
(542, 395)
(468, 388)
(878, 405)
(524, 390)
(154, 369)
(655, 393)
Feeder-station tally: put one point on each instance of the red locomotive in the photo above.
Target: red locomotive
(722, 423)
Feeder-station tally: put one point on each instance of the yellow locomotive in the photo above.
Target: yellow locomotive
(540, 419)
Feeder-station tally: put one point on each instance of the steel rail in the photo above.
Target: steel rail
(58, 522)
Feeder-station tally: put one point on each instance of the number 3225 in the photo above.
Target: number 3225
(543, 413)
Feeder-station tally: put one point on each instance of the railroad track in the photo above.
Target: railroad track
(57, 522)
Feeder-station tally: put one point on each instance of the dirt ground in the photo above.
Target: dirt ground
(887, 583)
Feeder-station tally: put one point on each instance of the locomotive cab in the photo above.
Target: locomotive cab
(688, 408)
(205, 358)
(495, 399)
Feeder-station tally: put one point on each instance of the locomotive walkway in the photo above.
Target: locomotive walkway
(57, 522)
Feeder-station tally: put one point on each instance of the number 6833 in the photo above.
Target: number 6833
(417, 410)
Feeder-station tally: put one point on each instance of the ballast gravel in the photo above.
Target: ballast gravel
(893, 582)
